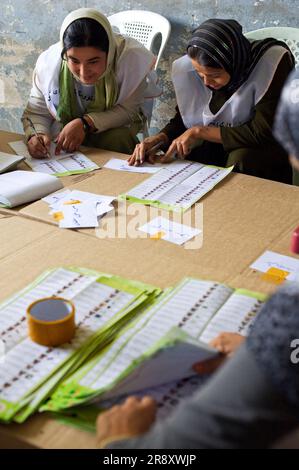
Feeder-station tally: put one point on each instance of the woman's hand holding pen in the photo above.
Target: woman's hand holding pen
(39, 145)
(147, 149)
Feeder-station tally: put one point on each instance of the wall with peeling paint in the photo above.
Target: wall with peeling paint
(27, 27)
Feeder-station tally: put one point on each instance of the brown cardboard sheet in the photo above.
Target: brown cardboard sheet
(242, 217)
(40, 431)
(18, 233)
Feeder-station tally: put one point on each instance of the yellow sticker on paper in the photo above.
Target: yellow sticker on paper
(58, 216)
(70, 203)
(157, 235)
(275, 275)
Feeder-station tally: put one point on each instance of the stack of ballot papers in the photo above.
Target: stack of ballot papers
(129, 337)
(20, 187)
(8, 161)
(177, 186)
(30, 372)
(167, 398)
(78, 209)
(63, 164)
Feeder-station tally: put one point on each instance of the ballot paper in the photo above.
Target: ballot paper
(9, 161)
(20, 187)
(127, 339)
(270, 259)
(82, 215)
(200, 309)
(177, 186)
(78, 209)
(167, 398)
(122, 165)
(165, 229)
(29, 370)
(59, 165)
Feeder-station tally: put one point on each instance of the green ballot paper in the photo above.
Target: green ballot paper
(177, 186)
(128, 336)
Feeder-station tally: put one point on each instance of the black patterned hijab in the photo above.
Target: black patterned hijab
(224, 42)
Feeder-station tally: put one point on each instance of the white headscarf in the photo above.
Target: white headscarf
(116, 42)
(127, 60)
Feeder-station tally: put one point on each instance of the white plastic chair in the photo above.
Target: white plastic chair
(144, 26)
(291, 37)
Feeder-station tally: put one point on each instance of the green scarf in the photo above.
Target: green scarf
(105, 95)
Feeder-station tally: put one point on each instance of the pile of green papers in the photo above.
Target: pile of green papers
(30, 372)
(129, 337)
(199, 309)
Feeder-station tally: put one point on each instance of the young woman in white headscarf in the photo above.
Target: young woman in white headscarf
(91, 87)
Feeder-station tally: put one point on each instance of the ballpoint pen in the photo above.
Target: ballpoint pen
(38, 136)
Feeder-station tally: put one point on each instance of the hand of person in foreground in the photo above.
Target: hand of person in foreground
(227, 344)
(134, 417)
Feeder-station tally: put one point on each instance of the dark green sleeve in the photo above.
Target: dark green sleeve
(175, 127)
(258, 131)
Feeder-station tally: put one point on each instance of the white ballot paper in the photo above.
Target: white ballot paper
(170, 231)
(270, 259)
(122, 165)
(62, 164)
(78, 209)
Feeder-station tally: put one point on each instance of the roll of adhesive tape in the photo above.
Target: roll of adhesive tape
(51, 321)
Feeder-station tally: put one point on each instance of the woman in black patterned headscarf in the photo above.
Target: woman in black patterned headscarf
(221, 44)
(227, 89)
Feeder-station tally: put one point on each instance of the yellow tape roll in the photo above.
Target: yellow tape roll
(51, 321)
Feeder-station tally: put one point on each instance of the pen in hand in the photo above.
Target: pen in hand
(153, 149)
(38, 137)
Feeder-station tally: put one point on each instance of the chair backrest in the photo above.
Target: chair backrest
(143, 26)
(286, 34)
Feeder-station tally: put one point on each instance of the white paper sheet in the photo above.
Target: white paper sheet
(53, 199)
(57, 164)
(85, 210)
(170, 231)
(8, 161)
(270, 259)
(122, 165)
(20, 187)
(82, 215)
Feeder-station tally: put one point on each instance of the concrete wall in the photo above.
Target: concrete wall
(27, 27)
